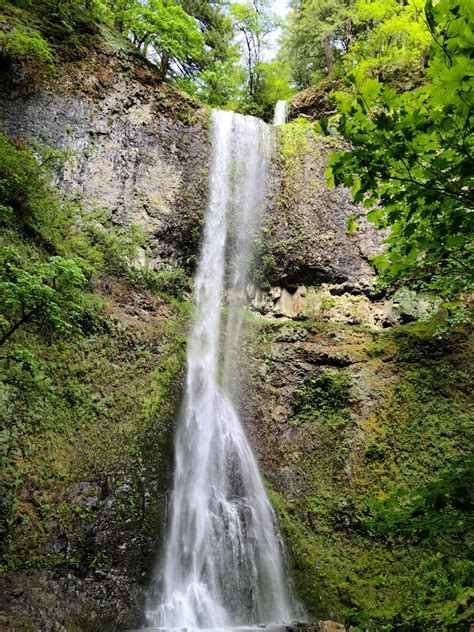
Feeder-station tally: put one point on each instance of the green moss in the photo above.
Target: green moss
(25, 44)
(419, 420)
(325, 393)
(99, 405)
(85, 405)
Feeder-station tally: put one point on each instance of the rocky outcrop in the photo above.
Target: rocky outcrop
(313, 102)
(306, 240)
(341, 417)
(341, 305)
(315, 252)
(134, 146)
(140, 149)
(86, 508)
(42, 600)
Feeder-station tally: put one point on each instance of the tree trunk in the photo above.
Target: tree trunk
(328, 54)
(165, 63)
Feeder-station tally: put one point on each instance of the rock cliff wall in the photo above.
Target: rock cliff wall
(342, 417)
(334, 408)
(316, 244)
(87, 476)
(134, 146)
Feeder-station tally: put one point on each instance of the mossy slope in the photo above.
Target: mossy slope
(343, 419)
(88, 448)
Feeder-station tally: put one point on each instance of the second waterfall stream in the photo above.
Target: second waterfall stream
(223, 563)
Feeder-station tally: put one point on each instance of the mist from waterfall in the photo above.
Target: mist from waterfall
(224, 563)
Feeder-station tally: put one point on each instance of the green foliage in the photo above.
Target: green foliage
(274, 85)
(384, 39)
(91, 408)
(72, 14)
(51, 244)
(295, 140)
(412, 158)
(66, 25)
(84, 397)
(317, 34)
(255, 21)
(392, 40)
(327, 392)
(162, 30)
(25, 372)
(173, 282)
(351, 225)
(61, 226)
(25, 44)
(219, 83)
(382, 558)
(192, 40)
(252, 87)
(218, 32)
(50, 294)
(439, 513)
(323, 400)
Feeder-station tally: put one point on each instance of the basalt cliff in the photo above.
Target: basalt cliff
(349, 396)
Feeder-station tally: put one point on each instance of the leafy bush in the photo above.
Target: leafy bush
(173, 282)
(58, 244)
(25, 44)
(327, 392)
(411, 161)
(30, 206)
(50, 294)
(442, 509)
(437, 516)
(22, 370)
(61, 19)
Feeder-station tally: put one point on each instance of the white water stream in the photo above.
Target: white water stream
(279, 117)
(223, 564)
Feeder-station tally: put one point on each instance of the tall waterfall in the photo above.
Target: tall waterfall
(223, 564)
(279, 116)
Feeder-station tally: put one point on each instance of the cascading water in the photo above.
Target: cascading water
(223, 563)
(279, 116)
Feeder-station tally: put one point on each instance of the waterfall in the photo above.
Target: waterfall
(223, 564)
(279, 117)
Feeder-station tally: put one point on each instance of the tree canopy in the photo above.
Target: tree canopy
(318, 32)
(411, 159)
(164, 32)
(392, 40)
(255, 21)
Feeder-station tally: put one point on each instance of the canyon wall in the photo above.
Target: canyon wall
(338, 411)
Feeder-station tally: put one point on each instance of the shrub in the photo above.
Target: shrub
(174, 282)
(325, 393)
(49, 294)
(25, 44)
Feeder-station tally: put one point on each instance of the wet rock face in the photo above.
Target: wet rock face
(337, 416)
(342, 305)
(276, 371)
(91, 502)
(136, 148)
(305, 236)
(43, 600)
